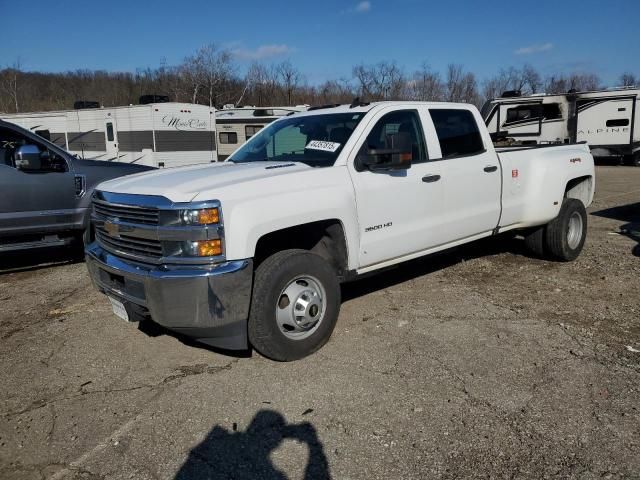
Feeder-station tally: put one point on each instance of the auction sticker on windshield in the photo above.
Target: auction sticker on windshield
(322, 145)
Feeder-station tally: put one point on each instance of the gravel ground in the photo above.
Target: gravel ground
(481, 362)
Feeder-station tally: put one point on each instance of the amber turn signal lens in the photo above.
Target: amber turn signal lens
(209, 248)
(208, 215)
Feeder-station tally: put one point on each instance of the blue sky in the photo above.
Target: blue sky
(326, 38)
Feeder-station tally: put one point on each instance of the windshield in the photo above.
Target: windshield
(316, 140)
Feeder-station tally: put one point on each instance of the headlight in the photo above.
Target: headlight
(204, 216)
(203, 248)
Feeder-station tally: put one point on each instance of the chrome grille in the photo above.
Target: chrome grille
(131, 246)
(125, 213)
(121, 243)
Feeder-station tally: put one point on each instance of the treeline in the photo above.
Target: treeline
(211, 77)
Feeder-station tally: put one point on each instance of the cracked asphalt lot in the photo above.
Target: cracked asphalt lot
(481, 362)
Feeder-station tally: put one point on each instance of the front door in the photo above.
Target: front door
(111, 139)
(398, 210)
(34, 201)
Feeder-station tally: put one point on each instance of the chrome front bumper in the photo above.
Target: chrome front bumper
(208, 304)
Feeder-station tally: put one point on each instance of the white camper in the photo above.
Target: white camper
(157, 134)
(236, 125)
(605, 119)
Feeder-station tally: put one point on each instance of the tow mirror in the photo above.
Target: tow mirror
(28, 157)
(397, 156)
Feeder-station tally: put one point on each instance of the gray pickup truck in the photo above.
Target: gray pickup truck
(45, 192)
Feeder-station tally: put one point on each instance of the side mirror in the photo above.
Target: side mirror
(28, 157)
(397, 156)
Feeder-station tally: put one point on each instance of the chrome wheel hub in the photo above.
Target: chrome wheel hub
(574, 230)
(301, 307)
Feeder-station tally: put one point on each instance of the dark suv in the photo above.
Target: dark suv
(45, 192)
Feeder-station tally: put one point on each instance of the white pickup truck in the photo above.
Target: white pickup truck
(252, 251)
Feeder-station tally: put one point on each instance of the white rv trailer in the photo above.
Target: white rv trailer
(236, 125)
(157, 134)
(605, 119)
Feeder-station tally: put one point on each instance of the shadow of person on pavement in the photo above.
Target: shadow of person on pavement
(246, 455)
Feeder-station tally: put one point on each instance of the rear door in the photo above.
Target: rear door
(111, 139)
(470, 175)
(34, 201)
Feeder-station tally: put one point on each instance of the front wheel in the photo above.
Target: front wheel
(565, 235)
(294, 306)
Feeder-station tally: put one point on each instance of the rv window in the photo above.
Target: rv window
(110, 132)
(228, 137)
(457, 132)
(523, 113)
(251, 130)
(618, 122)
(551, 111)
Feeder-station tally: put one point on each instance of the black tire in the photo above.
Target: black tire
(561, 234)
(534, 241)
(271, 278)
(635, 160)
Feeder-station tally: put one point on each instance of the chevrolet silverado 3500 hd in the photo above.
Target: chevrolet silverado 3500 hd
(252, 251)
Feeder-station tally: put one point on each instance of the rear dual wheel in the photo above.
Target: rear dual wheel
(563, 238)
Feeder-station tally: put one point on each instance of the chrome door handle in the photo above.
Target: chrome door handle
(490, 168)
(430, 178)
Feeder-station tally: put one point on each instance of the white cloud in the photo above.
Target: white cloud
(263, 51)
(534, 49)
(362, 7)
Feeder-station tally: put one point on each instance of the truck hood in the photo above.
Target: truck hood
(183, 184)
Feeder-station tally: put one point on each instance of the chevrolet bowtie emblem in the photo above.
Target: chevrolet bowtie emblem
(112, 228)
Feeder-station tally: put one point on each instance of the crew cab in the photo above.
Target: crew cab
(46, 192)
(252, 251)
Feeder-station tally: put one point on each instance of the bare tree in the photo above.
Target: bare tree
(262, 83)
(531, 79)
(576, 81)
(190, 71)
(9, 83)
(363, 76)
(214, 67)
(628, 79)
(335, 91)
(290, 77)
(383, 81)
(425, 85)
(526, 80)
(461, 86)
